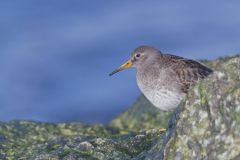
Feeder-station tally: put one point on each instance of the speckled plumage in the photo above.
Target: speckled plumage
(164, 79)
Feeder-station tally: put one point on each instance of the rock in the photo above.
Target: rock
(208, 125)
(205, 126)
(86, 146)
(141, 116)
(40, 141)
(35, 140)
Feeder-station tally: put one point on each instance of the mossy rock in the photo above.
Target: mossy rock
(141, 116)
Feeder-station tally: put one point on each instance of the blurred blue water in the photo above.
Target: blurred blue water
(55, 56)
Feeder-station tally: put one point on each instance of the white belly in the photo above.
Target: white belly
(157, 90)
(162, 98)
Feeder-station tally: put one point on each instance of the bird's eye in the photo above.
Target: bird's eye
(137, 55)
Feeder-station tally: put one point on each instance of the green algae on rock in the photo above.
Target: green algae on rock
(33, 140)
(25, 138)
(142, 115)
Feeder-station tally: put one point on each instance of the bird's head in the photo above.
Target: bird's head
(141, 56)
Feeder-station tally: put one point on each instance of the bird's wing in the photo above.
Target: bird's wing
(189, 72)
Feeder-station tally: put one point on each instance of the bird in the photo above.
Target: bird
(164, 79)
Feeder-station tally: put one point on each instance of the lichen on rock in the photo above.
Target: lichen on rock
(34, 140)
(208, 125)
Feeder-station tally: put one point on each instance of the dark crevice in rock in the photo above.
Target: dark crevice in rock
(170, 130)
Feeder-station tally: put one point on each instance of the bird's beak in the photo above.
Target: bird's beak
(128, 64)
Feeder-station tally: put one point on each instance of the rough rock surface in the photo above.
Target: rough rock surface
(209, 119)
(141, 116)
(44, 141)
(205, 126)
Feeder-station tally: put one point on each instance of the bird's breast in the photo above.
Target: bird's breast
(158, 92)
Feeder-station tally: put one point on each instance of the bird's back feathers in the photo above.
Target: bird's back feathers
(188, 71)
